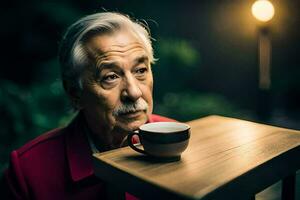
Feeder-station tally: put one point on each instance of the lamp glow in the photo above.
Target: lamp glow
(263, 10)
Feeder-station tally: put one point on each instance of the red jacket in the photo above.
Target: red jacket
(57, 165)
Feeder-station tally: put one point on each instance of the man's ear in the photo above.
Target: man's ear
(73, 93)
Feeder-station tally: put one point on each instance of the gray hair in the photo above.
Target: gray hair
(72, 55)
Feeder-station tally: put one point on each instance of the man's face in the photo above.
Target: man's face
(117, 87)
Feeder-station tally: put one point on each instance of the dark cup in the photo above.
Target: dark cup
(162, 139)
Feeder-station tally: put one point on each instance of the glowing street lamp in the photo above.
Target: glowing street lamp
(264, 11)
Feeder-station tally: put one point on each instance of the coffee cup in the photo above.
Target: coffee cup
(164, 140)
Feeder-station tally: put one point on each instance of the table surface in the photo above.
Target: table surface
(226, 158)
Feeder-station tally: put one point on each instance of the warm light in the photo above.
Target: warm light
(263, 10)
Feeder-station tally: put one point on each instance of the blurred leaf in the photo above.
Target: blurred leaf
(28, 112)
(178, 50)
(178, 67)
(188, 106)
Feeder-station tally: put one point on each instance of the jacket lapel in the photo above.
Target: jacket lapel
(78, 151)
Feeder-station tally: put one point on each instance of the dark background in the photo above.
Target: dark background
(207, 63)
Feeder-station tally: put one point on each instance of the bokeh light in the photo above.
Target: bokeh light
(263, 10)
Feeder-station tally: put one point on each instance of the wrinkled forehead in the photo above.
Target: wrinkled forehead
(123, 43)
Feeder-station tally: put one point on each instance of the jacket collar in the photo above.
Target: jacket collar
(78, 151)
(150, 119)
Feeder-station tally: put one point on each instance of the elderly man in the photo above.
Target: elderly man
(106, 70)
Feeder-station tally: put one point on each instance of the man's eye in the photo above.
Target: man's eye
(110, 78)
(141, 71)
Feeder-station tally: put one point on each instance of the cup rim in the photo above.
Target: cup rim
(185, 127)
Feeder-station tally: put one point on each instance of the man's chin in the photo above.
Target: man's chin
(133, 121)
(131, 125)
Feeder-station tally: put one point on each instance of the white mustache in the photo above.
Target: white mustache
(124, 108)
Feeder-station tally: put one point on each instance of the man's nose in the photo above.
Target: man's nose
(131, 90)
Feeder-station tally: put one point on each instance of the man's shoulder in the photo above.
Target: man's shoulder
(159, 118)
(42, 142)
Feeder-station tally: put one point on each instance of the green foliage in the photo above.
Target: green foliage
(187, 106)
(177, 66)
(28, 112)
(176, 77)
(179, 51)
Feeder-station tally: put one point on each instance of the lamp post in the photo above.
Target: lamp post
(263, 11)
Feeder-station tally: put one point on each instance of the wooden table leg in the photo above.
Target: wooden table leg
(288, 191)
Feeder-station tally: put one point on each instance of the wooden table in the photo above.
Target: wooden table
(226, 159)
